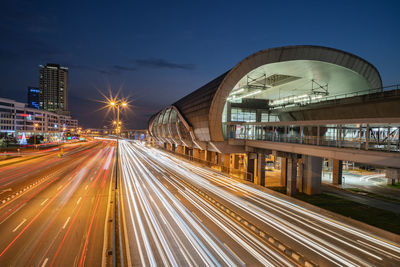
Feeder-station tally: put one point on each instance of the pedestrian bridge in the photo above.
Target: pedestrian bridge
(369, 141)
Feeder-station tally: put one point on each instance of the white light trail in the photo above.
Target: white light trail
(152, 205)
(329, 238)
(110, 155)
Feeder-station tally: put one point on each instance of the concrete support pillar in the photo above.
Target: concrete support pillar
(260, 170)
(291, 176)
(226, 162)
(179, 149)
(196, 153)
(283, 171)
(337, 172)
(312, 175)
(208, 156)
(235, 162)
(250, 166)
(214, 159)
(218, 158)
(300, 175)
(391, 181)
(169, 146)
(392, 175)
(202, 154)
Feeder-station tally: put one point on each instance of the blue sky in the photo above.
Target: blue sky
(159, 51)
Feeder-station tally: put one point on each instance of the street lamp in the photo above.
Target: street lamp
(35, 125)
(117, 104)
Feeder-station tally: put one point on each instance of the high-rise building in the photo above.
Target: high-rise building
(53, 84)
(34, 97)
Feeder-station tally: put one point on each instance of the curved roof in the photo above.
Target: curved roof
(344, 72)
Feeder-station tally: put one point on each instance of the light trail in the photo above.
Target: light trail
(110, 155)
(60, 217)
(324, 237)
(156, 214)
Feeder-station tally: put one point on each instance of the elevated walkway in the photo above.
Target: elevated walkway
(369, 141)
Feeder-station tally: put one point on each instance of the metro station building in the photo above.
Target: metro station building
(297, 105)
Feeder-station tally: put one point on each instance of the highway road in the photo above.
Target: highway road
(57, 212)
(56, 209)
(180, 214)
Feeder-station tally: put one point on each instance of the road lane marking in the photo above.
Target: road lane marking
(45, 262)
(381, 250)
(16, 228)
(41, 204)
(234, 254)
(15, 211)
(59, 188)
(79, 200)
(195, 215)
(66, 223)
(178, 197)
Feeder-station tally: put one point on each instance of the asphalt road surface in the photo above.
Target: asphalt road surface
(60, 219)
(177, 213)
(58, 212)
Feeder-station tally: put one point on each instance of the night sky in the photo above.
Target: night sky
(156, 52)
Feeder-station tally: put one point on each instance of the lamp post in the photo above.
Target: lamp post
(117, 103)
(35, 125)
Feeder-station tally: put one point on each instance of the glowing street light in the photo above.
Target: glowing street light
(35, 125)
(117, 103)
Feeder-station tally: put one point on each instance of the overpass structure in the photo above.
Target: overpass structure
(136, 134)
(299, 103)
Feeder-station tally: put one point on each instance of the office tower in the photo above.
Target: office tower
(53, 84)
(34, 97)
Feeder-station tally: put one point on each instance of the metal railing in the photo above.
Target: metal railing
(375, 136)
(384, 89)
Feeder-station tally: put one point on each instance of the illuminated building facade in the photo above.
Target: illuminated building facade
(34, 97)
(298, 104)
(17, 119)
(53, 83)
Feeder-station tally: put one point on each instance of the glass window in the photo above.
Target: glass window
(238, 114)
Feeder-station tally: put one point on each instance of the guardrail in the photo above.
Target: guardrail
(117, 251)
